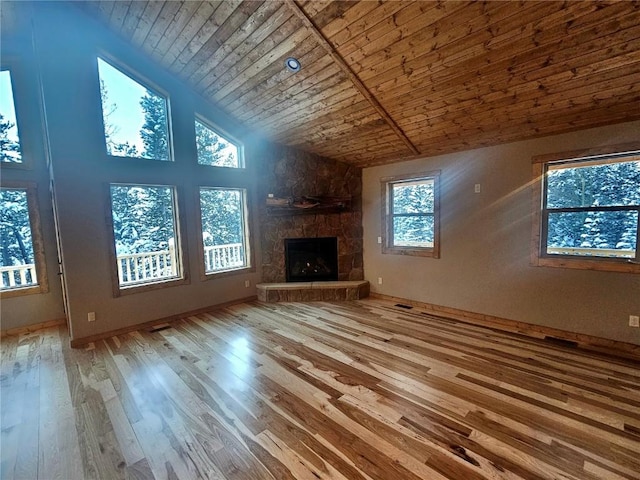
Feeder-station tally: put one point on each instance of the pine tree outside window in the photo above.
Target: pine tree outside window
(215, 149)
(10, 151)
(410, 217)
(22, 267)
(135, 117)
(224, 229)
(145, 234)
(589, 211)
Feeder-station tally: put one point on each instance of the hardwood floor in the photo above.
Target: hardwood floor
(355, 390)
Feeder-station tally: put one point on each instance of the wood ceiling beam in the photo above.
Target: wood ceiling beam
(324, 42)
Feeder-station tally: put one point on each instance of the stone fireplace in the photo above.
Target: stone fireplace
(287, 172)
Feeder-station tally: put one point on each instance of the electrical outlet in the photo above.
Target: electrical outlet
(379, 239)
(634, 321)
(247, 283)
(476, 189)
(379, 280)
(91, 317)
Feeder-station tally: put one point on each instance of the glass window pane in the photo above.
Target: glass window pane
(17, 261)
(144, 229)
(413, 231)
(608, 184)
(135, 118)
(413, 197)
(223, 228)
(602, 234)
(9, 140)
(214, 149)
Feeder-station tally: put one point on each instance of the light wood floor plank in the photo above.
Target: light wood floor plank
(360, 390)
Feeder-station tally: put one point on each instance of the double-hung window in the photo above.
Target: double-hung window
(588, 210)
(410, 217)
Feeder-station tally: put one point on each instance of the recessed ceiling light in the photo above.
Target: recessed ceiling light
(292, 64)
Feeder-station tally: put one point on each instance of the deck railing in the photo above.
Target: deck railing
(17, 276)
(223, 257)
(146, 267)
(592, 252)
(152, 266)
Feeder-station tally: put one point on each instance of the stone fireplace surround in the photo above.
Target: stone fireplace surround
(287, 172)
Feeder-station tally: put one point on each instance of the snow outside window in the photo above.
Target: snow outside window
(592, 208)
(215, 149)
(145, 234)
(9, 141)
(410, 223)
(135, 117)
(588, 209)
(224, 229)
(22, 268)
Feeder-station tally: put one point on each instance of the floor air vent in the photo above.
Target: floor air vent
(402, 305)
(159, 328)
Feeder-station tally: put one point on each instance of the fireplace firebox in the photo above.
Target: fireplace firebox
(311, 259)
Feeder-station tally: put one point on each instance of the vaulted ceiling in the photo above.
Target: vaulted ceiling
(385, 81)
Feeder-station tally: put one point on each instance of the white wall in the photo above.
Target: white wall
(485, 244)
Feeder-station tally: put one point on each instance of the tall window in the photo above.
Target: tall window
(215, 150)
(224, 228)
(135, 117)
(145, 234)
(410, 223)
(21, 258)
(9, 140)
(590, 210)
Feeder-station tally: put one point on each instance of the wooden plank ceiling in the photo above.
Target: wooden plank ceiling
(386, 81)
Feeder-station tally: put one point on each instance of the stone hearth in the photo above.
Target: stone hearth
(312, 291)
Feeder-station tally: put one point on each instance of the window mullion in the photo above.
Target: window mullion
(418, 214)
(617, 208)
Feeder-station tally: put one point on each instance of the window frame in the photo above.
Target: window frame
(387, 184)
(226, 135)
(248, 238)
(149, 85)
(36, 238)
(182, 255)
(540, 212)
